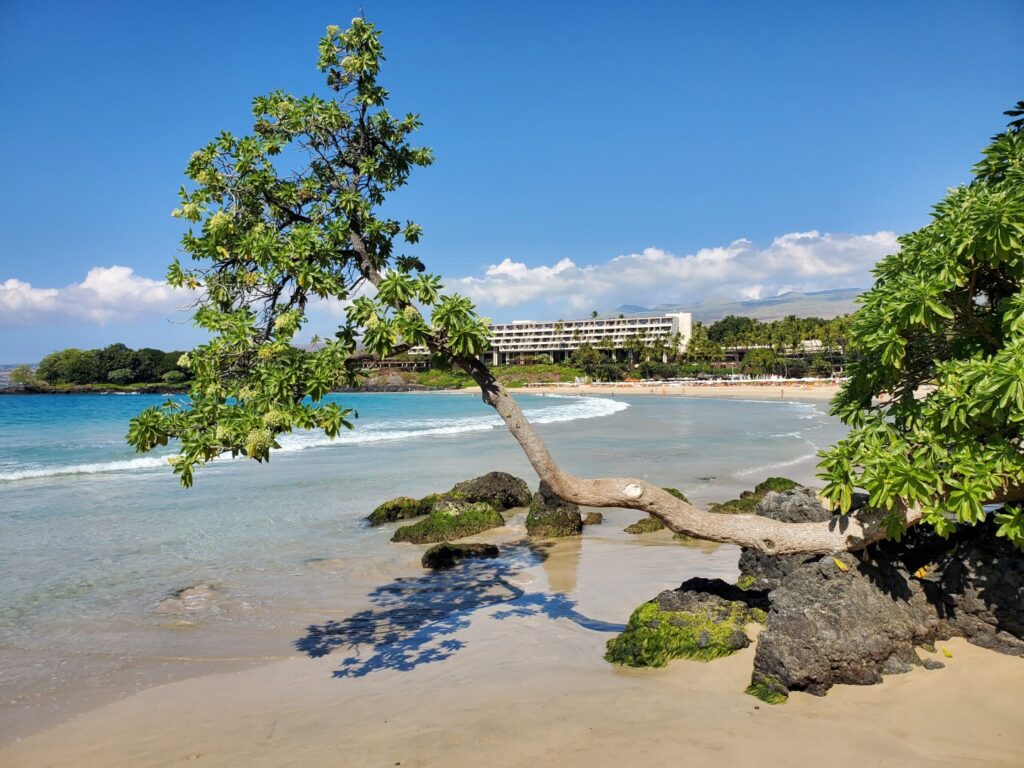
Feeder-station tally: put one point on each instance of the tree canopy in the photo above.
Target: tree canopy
(289, 215)
(936, 398)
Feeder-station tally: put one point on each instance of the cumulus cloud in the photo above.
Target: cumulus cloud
(106, 295)
(799, 261)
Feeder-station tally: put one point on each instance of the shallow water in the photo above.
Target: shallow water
(96, 540)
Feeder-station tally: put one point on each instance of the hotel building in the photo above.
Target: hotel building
(559, 339)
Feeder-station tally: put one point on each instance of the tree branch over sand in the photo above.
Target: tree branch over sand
(273, 232)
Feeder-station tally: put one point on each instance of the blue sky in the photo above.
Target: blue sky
(588, 153)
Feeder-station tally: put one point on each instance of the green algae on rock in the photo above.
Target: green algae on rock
(677, 493)
(769, 689)
(450, 520)
(402, 508)
(747, 502)
(645, 525)
(552, 517)
(593, 518)
(498, 489)
(698, 621)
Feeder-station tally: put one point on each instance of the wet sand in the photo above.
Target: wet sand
(521, 680)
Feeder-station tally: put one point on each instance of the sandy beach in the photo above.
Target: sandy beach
(774, 390)
(528, 685)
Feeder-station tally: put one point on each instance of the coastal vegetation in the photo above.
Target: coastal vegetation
(115, 365)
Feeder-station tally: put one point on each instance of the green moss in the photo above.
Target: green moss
(593, 518)
(747, 503)
(746, 582)
(553, 519)
(677, 493)
(775, 484)
(769, 689)
(403, 508)
(450, 520)
(645, 525)
(654, 637)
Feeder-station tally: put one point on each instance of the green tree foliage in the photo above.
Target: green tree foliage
(23, 375)
(97, 366)
(290, 214)
(946, 313)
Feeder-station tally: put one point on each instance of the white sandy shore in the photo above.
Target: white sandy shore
(526, 684)
(761, 391)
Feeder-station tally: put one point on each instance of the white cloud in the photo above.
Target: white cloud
(106, 295)
(799, 261)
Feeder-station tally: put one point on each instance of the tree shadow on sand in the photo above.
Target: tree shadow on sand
(415, 620)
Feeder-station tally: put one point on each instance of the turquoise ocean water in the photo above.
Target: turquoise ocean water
(96, 539)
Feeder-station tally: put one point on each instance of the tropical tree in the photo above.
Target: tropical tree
(936, 397)
(270, 238)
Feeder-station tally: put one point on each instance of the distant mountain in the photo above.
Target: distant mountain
(838, 301)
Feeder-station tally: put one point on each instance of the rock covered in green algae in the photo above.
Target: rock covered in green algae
(445, 555)
(769, 689)
(748, 500)
(677, 493)
(552, 517)
(593, 518)
(498, 489)
(450, 520)
(704, 619)
(647, 524)
(402, 508)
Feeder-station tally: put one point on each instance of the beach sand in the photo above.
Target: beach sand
(524, 683)
(761, 391)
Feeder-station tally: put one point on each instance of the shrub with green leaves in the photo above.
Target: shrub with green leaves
(936, 399)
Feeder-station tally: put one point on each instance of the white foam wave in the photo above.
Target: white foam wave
(145, 462)
(777, 465)
(400, 429)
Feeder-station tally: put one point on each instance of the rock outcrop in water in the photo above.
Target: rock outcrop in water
(851, 618)
(442, 556)
(500, 490)
(450, 520)
(593, 518)
(552, 517)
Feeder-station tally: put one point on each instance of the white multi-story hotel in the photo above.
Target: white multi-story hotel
(558, 339)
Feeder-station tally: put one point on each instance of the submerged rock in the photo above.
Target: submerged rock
(647, 524)
(498, 489)
(201, 597)
(704, 619)
(445, 555)
(450, 520)
(593, 518)
(552, 517)
(402, 508)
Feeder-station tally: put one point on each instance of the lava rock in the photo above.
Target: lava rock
(552, 517)
(450, 520)
(445, 555)
(593, 518)
(499, 489)
(796, 505)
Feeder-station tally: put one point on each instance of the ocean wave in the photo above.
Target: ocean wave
(776, 465)
(393, 430)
